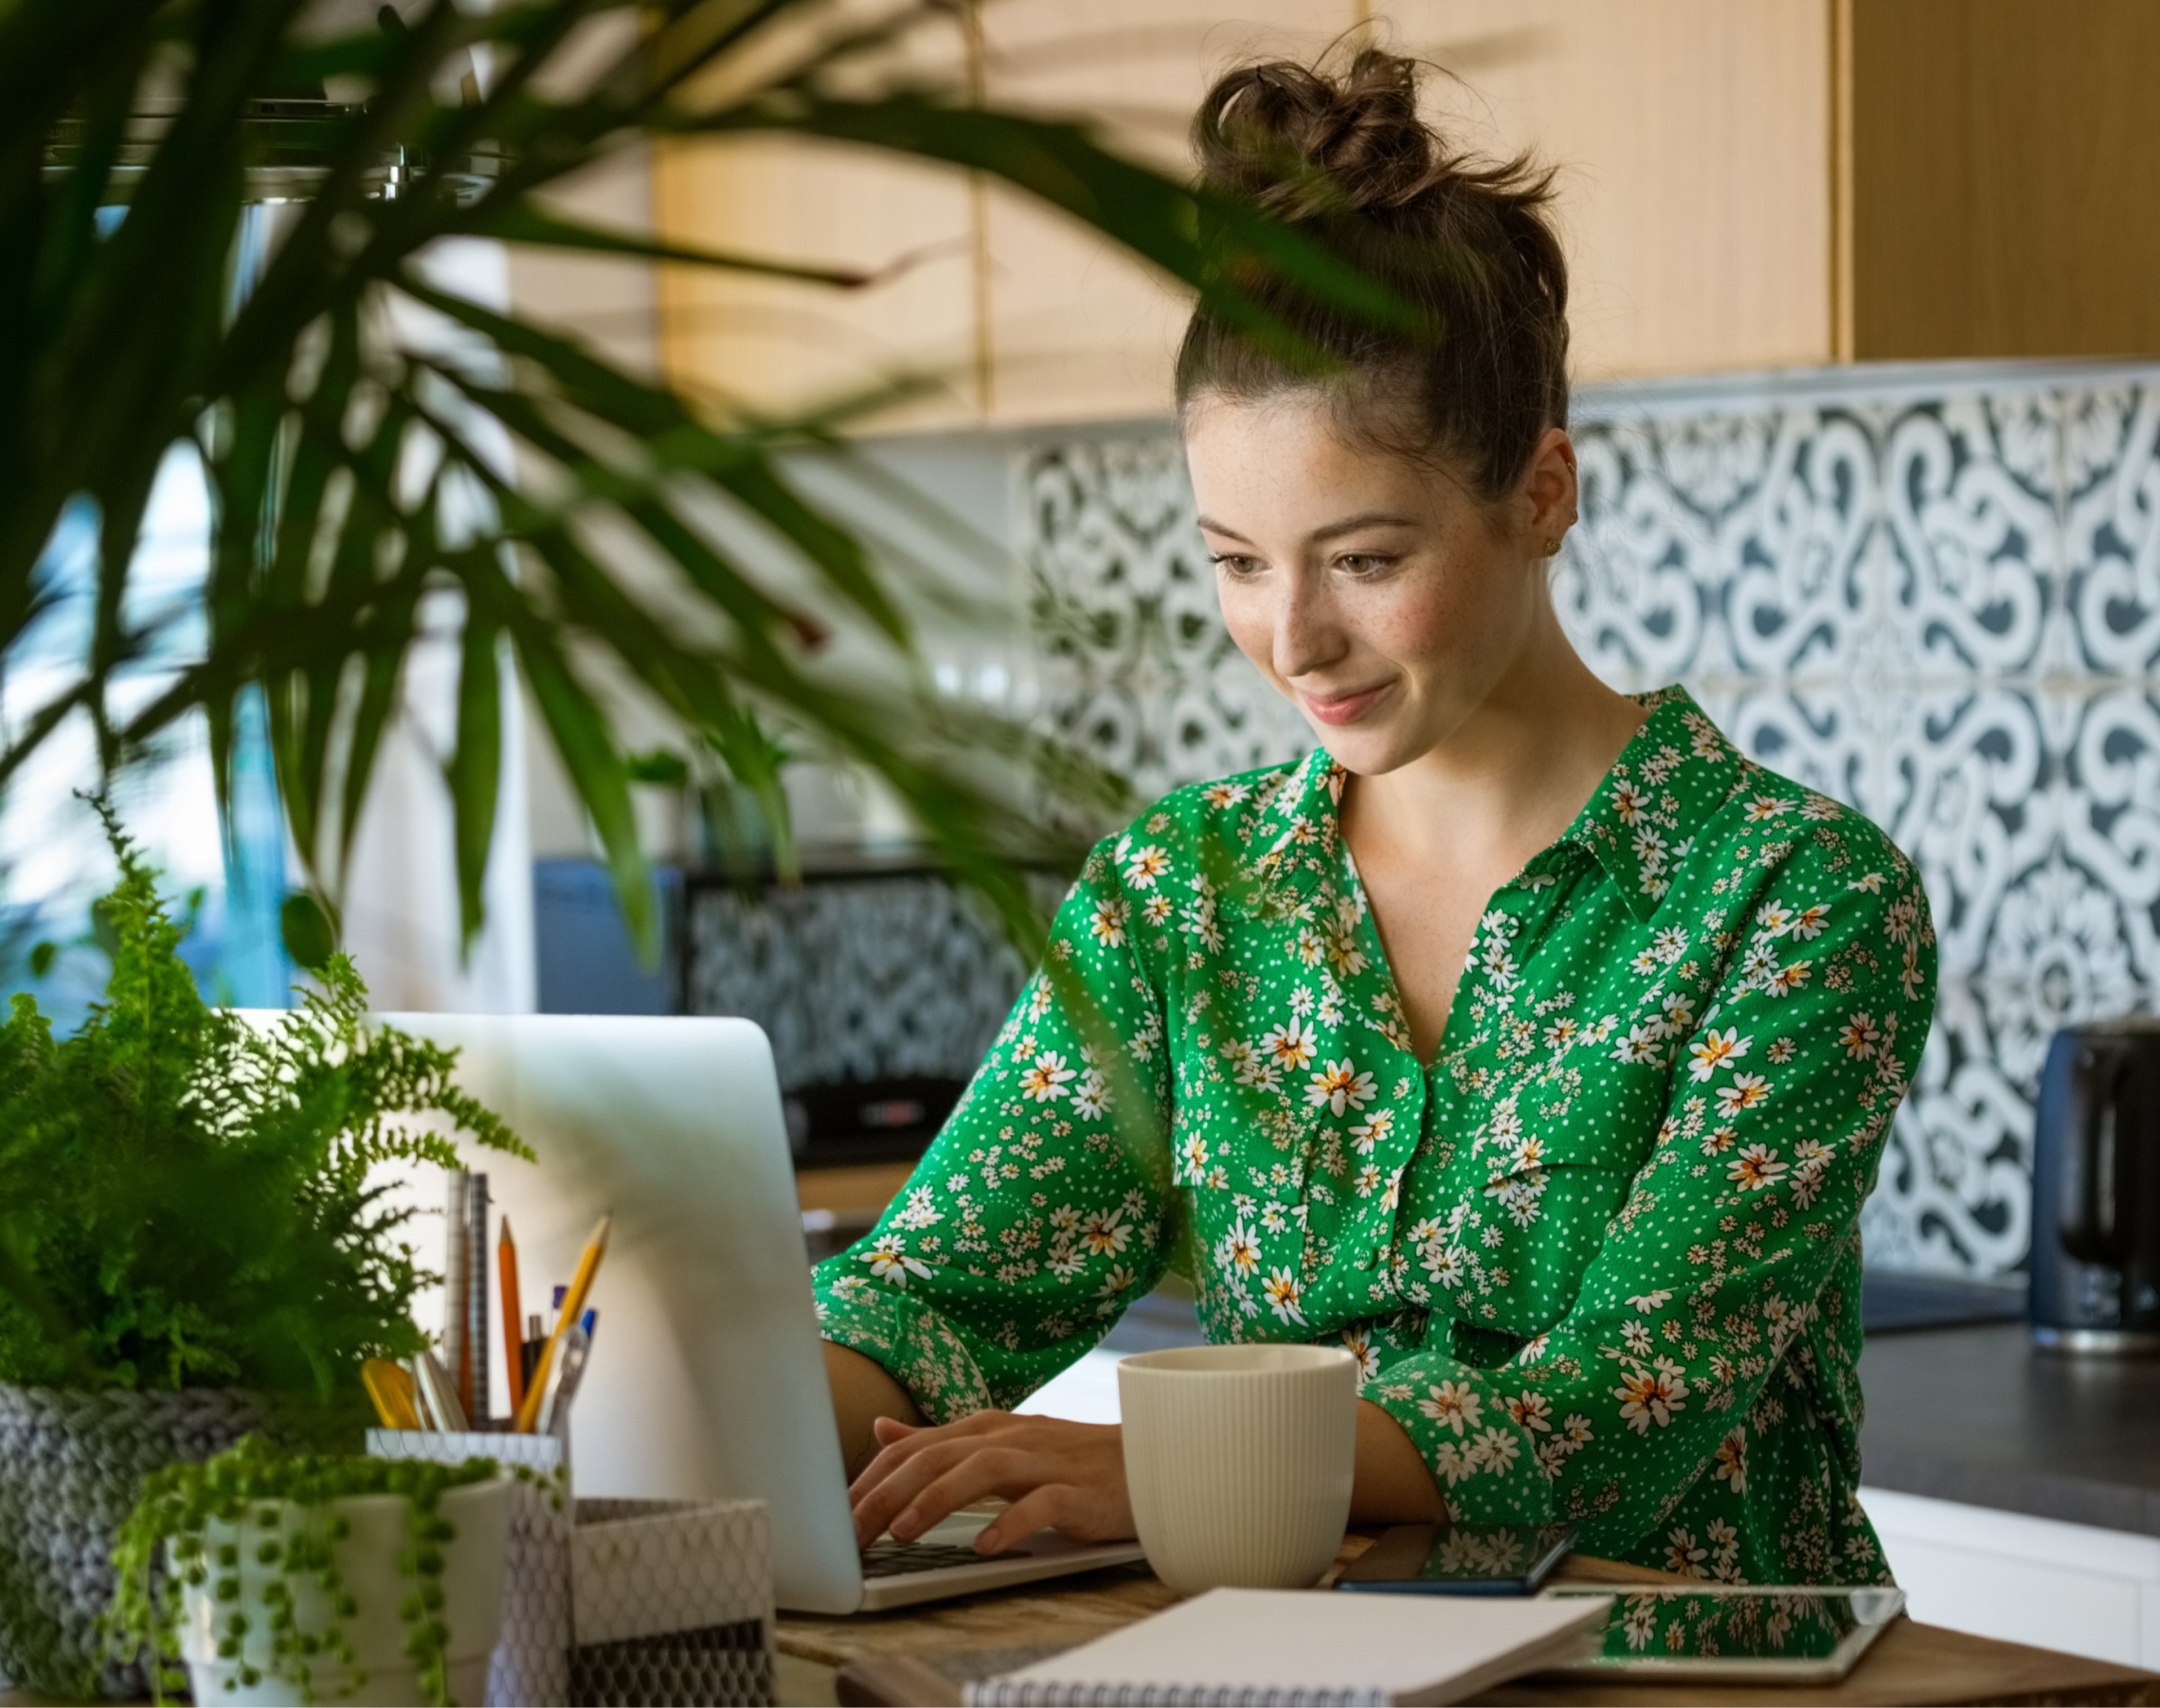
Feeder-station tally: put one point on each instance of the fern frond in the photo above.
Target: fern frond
(183, 1196)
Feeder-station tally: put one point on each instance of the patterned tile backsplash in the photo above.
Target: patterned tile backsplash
(855, 978)
(1931, 592)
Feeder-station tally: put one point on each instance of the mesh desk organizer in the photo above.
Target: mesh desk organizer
(608, 1602)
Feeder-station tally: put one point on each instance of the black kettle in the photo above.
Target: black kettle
(2096, 1190)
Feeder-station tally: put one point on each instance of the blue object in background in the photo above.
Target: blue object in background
(251, 961)
(235, 946)
(251, 957)
(586, 962)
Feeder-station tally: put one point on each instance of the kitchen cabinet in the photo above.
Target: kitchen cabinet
(2073, 1586)
(1789, 182)
(2003, 183)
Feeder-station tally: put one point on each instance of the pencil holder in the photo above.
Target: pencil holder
(671, 1602)
(532, 1667)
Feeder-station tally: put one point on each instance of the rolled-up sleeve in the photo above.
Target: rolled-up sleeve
(1043, 1207)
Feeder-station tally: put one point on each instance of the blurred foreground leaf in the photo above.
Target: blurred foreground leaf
(357, 418)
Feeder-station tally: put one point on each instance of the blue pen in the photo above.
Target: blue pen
(590, 1320)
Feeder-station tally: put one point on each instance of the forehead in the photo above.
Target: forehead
(1284, 461)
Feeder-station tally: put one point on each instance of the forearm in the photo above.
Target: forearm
(862, 1393)
(1392, 1483)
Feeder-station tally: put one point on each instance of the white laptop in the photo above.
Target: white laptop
(707, 1376)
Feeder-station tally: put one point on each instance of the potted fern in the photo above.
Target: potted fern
(189, 1252)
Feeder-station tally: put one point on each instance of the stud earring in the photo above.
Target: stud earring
(1553, 547)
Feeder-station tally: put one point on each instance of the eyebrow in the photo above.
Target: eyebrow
(1369, 518)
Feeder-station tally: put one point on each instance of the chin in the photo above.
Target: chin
(1365, 751)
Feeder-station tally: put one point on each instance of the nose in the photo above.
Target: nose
(1307, 634)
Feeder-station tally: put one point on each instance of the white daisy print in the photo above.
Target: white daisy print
(1453, 1406)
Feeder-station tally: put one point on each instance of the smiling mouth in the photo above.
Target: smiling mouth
(1345, 708)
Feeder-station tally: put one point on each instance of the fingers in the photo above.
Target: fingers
(891, 1432)
(937, 1480)
(994, 1471)
(898, 1443)
(885, 1432)
(1024, 1517)
(1090, 1502)
(1066, 1475)
(1057, 1505)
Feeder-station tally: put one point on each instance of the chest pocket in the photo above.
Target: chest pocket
(1524, 1189)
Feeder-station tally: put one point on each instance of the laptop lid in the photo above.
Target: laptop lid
(707, 1376)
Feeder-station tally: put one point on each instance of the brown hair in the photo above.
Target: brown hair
(1465, 244)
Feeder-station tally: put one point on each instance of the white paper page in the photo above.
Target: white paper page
(1289, 1640)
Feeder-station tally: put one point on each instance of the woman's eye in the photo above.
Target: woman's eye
(1362, 563)
(1232, 563)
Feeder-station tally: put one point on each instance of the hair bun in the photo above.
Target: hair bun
(1464, 242)
(1304, 144)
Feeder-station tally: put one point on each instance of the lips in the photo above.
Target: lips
(1345, 708)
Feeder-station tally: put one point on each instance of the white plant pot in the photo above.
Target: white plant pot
(367, 1564)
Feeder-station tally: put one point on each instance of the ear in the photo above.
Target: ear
(1547, 494)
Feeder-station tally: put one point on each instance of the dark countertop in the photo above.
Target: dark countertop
(1979, 1415)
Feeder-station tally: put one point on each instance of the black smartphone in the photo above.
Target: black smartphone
(1460, 1559)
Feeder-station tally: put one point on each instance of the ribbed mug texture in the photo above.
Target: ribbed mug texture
(1238, 1460)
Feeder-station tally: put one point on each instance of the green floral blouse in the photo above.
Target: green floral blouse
(1600, 1258)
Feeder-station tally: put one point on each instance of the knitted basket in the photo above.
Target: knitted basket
(71, 1464)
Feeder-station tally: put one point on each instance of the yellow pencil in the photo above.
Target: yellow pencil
(391, 1390)
(573, 1306)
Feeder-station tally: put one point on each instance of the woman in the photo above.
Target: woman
(1526, 1039)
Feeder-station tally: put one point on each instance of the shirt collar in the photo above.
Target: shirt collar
(1637, 824)
(1641, 822)
(1297, 840)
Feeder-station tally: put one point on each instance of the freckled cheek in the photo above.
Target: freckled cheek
(1407, 623)
(1424, 623)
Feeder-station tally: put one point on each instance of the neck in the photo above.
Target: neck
(1512, 776)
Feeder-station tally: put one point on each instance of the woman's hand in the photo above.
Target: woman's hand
(1068, 1476)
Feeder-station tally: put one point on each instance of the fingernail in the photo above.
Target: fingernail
(904, 1525)
(988, 1541)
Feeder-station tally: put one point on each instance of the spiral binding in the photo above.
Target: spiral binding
(1006, 1693)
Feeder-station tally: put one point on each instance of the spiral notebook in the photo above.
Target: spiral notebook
(1286, 1647)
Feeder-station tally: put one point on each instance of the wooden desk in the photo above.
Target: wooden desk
(894, 1658)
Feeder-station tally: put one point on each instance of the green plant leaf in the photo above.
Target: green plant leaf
(183, 1197)
(475, 766)
(520, 223)
(309, 937)
(319, 412)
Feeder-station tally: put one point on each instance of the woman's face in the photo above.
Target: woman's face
(1381, 599)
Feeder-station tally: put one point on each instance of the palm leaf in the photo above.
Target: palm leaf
(313, 406)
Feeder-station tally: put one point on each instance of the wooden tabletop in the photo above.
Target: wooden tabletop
(918, 1655)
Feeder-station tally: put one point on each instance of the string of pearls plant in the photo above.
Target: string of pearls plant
(257, 1507)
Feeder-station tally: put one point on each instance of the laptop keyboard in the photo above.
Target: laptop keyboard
(886, 1558)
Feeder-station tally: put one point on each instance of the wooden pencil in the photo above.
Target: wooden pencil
(512, 1314)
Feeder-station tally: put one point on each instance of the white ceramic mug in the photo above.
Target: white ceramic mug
(1238, 1460)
